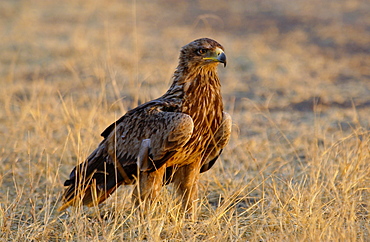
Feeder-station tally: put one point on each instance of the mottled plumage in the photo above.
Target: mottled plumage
(170, 139)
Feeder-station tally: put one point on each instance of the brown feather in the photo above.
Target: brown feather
(179, 134)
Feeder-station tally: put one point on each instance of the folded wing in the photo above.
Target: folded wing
(145, 138)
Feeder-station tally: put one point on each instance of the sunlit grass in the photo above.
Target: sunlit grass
(297, 166)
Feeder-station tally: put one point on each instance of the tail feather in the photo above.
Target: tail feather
(91, 196)
(93, 181)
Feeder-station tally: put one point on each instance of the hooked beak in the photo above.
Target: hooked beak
(218, 56)
(222, 58)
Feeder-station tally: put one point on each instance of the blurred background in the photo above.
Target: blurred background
(284, 57)
(281, 54)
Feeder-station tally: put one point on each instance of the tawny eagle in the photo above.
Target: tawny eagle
(171, 139)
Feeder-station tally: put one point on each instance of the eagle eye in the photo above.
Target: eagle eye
(201, 51)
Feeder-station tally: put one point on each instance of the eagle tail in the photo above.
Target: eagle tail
(90, 196)
(91, 182)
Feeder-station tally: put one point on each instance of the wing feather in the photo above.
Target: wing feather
(115, 160)
(167, 132)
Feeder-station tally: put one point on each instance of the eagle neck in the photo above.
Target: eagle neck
(202, 91)
(192, 86)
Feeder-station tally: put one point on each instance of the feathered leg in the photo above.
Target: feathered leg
(148, 182)
(148, 186)
(186, 183)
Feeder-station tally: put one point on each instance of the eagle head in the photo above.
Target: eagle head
(202, 52)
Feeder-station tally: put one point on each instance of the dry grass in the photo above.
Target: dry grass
(297, 85)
